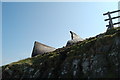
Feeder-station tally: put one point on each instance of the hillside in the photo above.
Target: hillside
(96, 57)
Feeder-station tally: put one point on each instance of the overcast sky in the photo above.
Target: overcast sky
(48, 23)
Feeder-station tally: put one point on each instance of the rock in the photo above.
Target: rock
(97, 57)
(40, 48)
(74, 39)
(0, 73)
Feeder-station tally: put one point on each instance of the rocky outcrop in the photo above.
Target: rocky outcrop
(40, 48)
(74, 39)
(96, 57)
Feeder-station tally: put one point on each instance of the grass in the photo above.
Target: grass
(66, 54)
(81, 46)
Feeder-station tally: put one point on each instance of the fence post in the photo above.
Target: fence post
(110, 22)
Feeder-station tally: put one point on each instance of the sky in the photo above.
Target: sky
(0, 33)
(23, 23)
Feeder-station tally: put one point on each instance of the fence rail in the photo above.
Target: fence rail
(112, 18)
(111, 24)
(111, 12)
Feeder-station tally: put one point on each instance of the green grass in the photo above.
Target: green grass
(81, 46)
(56, 58)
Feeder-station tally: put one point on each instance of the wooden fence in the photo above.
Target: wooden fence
(111, 24)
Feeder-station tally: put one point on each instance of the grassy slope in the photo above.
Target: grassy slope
(56, 58)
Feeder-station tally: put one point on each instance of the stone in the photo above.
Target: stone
(79, 61)
(40, 48)
(74, 39)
